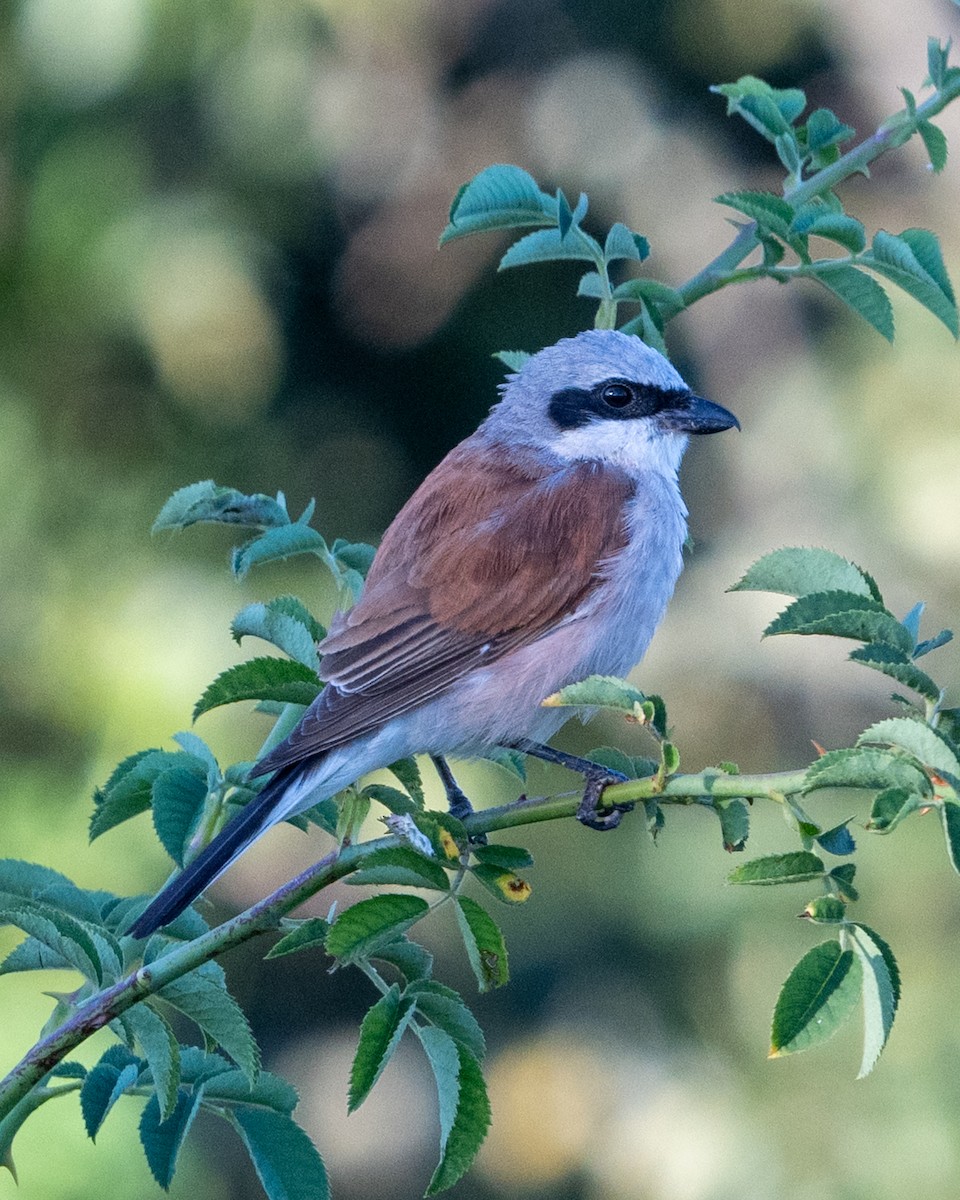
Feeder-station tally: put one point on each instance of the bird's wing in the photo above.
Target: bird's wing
(488, 555)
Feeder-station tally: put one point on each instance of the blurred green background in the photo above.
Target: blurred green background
(218, 259)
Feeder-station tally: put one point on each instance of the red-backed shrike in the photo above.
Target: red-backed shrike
(543, 549)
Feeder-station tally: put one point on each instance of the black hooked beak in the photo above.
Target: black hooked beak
(693, 414)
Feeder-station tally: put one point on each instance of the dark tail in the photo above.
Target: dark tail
(214, 859)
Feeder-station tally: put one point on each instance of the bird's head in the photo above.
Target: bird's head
(605, 396)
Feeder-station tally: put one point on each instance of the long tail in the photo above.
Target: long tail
(262, 812)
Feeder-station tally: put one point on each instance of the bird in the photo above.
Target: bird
(542, 549)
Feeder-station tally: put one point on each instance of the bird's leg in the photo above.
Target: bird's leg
(596, 776)
(457, 800)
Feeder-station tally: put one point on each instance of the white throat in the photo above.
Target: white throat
(637, 446)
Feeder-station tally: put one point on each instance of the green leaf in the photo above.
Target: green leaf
(513, 360)
(600, 691)
(370, 924)
(286, 624)
(937, 57)
(512, 761)
(308, 935)
(351, 556)
(772, 213)
(500, 197)
(935, 144)
(892, 661)
(446, 1009)
(275, 545)
(208, 502)
(408, 772)
(285, 1159)
(163, 1137)
(865, 767)
(484, 944)
(824, 129)
(105, 1083)
(470, 1124)
(444, 1059)
(800, 866)
(734, 823)
(819, 995)
(881, 992)
(934, 643)
(894, 258)
(627, 764)
(591, 287)
(837, 840)
(841, 614)
(547, 245)
(926, 250)
(159, 1046)
(403, 866)
(917, 738)
(391, 798)
(889, 808)
(950, 817)
(216, 1012)
(261, 679)
(129, 790)
(841, 877)
(800, 571)
(233, 1086)
(648, 326)
(789, 102)
(826, 910)
(835, 227)
(861, 293)
(178, 800)
(623, 243)
(503, 885)
(409, 958)
(63, 935)
(380, 1034)
(509, 858)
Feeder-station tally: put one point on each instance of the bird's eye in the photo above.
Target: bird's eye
(616, 395)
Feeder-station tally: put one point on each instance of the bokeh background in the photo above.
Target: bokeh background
(218, 259)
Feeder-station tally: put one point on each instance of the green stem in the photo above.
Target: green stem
(266, 915)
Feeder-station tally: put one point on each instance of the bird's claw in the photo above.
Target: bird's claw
(590, 812)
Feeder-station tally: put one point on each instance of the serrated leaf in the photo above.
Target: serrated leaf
(391, 798)
(219, 1016)
(501, 196)
(918, 738)
(826, 910)
(161, 1050)
(275, 545)
(819, 994)
(484, 944)
(648, 326)
(129, 790)
(789, 102)
(835, 227)
(444, 1060)
(446, 1009)
(67, 938)
(233, 1086)
(841, 877)
(841, 614)
(380, 1034)
(352, 556)
(623, 243)
(771, 212)
(512, 761)
(309, 935)
(547, 245)
(510, 858)
(800, 571)
(935, 144)
(402, 866)
(261, 679)
(207, 502)
(412, 960)
(286, 1161)
(800, 866)
(504, 886)
(734, 823)
(599, 691)
(889, 808)
(104, 1084)
(274, 624)
(591, 287)
(894, 258)
(407, 771)
(178, 797)
(926, 250)
(861, 293)
(162, 1137)
(470, 1124)
(892, 661)
(369, 924)
(865, 767)
(824, 129)
(881, 992)
(950, 819)
(625, 764)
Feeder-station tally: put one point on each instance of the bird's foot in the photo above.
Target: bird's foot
(458, 803)
(592, 811)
